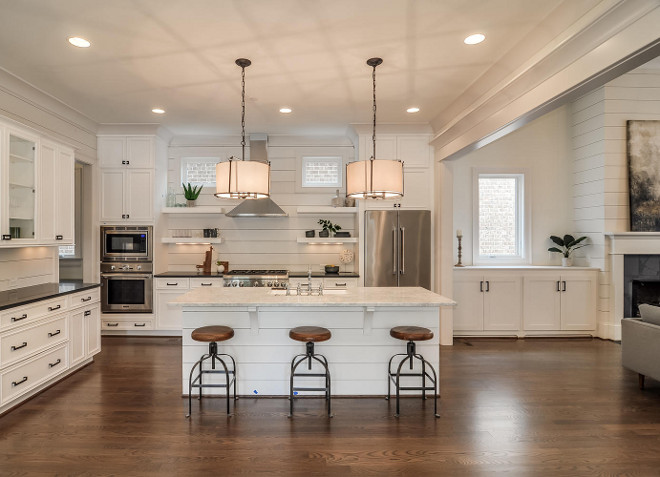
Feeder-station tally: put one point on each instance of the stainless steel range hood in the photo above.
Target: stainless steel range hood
(257, 207)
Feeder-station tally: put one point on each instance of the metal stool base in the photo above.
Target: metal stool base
(197, 381)
(309, 356)
(395, 377)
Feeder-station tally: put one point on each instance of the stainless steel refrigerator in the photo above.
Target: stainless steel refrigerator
(398, 248)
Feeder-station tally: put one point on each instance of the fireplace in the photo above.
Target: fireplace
(641, 281)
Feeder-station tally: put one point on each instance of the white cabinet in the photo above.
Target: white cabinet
(134, 152)
(57, 194)
(487, 302)
(127, 195)
(565, 301)
(340, 283)
(168, 316)
(84, 326)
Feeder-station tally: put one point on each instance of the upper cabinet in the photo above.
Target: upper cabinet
(134, 152)
(36, 189)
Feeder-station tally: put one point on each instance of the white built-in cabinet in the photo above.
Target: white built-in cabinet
(36, 189)
(487, 302)
(127, 178)
(168, 315)
(525, 301)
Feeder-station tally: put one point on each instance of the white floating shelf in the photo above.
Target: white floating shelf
(192, 240)
(319, 209)
(327, 240)
(199, 210)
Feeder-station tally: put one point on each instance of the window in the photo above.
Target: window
(501, 222)
(199, 170)
(322, 172)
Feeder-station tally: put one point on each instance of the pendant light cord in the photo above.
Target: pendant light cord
(373, 136)
(243, 112)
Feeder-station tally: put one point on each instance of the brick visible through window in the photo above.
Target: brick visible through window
(321, 172)
(499, 218)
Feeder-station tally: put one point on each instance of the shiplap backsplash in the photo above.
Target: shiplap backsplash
(26, 266)
(261, 242)
(600, 172)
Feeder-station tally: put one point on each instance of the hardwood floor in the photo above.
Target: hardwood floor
(534, 407)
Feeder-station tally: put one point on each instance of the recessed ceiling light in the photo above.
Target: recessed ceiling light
(79, 42)
(474, 39)
(158, 111)
(412, 110)
(285, 110)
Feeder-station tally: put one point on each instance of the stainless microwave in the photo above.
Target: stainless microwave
(126, 243)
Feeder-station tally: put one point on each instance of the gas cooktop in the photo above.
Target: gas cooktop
(257, 272)
(256, 278)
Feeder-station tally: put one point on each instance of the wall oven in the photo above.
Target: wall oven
(126, 243)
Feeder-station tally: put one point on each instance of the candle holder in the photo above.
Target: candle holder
(460, 252)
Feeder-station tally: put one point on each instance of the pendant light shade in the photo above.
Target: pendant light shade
(242, 179)
(374, 178)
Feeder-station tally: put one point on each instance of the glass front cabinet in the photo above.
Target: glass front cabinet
(18, 187)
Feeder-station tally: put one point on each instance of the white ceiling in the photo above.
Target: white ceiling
(306, 54)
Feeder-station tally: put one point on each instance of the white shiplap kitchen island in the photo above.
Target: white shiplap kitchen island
(359, 319)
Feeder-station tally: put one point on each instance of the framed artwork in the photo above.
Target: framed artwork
(643, 147)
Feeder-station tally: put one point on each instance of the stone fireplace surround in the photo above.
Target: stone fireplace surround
(620, 245)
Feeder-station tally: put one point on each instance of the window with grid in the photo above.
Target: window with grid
(199, 170)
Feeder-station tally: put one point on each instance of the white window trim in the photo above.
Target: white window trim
(186, 159)
(338, 184)
(340, 156)
(524, 229)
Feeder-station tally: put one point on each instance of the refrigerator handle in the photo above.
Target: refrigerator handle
(394, 257)
(403, 255)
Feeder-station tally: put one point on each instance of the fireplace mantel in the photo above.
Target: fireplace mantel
(634, 243)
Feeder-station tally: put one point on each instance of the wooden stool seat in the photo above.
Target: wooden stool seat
(213, 333)
(411, 333)
(309, 334)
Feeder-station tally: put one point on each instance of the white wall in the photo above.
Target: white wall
(26, 266)
(259, 242)
(543, 149)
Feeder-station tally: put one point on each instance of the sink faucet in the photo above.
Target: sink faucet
(309, 277)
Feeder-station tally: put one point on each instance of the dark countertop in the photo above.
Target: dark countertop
(26, 295)
(324, 275)
(188, 275)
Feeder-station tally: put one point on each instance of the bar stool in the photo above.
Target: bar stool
(412, 334)
(211, 335)
(309, 335)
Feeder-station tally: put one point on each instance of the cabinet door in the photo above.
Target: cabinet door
(414, 151)
(111, 151)
(139, 195)
(469, 309)
(139, 152)
(47, 186)
(21, 186)
(93, 331)
(64, 196)
(542, 302)
(77, 335)
(168, 317)
(502, 302)
(578, 302)
(112, 195)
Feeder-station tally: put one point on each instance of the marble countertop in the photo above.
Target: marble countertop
(324, 275)
(188, 275)
(360, 296)
(31, 294)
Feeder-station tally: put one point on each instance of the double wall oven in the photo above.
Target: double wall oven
(126, 269)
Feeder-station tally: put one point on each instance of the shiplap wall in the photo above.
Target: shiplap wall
(600, 165)
(26, 266)
(260, 242)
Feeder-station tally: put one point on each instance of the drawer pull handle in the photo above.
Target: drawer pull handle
(50, 335)
(16, 383)
(112, 324)
(88, 312)
(206, 284)
(59, 237)
(340, 284)
(172, 284)
(86, 299)
(139, 325)
(14, 348)
(52, 365)
(22, 317)
(53, 308)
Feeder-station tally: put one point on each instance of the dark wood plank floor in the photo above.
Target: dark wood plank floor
(536, 407)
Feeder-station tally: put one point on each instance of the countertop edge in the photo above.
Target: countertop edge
(27, 301)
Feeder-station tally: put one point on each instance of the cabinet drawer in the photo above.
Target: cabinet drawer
(205, 282)
(84, 298)
(30, 340)
(20, 379)
(340, 282)
(22, 315)
(135, 325)
(172, 283)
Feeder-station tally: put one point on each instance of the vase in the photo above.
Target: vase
(190, 203)
(566, 261)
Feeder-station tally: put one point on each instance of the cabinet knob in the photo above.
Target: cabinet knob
(59, 237)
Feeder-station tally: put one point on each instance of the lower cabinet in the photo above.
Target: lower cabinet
(487, 302)
(85, 329)
(168, 317)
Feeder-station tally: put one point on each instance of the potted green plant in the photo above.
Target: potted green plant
(328, 227)
(568, 245)
(191, 193)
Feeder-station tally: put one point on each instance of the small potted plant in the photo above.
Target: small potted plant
(568, 245)
(328, 227)
(191, 193)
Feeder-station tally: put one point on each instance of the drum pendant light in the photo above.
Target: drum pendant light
(242, 179)
(374, 178)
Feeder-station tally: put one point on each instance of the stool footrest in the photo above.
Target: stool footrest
(309, 389)
(320, 375)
